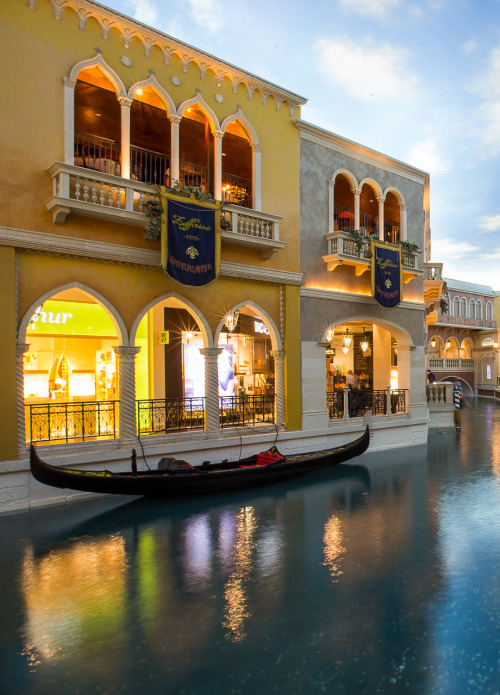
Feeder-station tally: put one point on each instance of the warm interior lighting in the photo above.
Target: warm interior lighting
(345, 350)
(347, 338)
(448, 344)
(433, 342)
(231, 321)
(139, 91)
(364, 344)
(329, 335)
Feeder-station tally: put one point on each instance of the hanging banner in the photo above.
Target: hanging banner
(387, 275)
(190, 239)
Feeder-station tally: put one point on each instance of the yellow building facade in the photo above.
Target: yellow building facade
(99, 344)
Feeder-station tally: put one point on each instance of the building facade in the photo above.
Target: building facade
(357, 354)
(100, 346)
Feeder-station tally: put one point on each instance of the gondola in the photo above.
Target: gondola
(175, 477)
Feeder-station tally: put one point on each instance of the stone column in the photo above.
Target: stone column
(125, 357)
(211, 356)
(21, 348)
(125, 105)
(218, 135)
(331, 206)
(279, 386)
(357, 196)
(381, 202)
(174, 148)
(69, 120)
(257, 177)
(347, 414)
(403, 223)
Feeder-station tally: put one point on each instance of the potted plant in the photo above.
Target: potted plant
(408, 247)
(153, 212)
(356, 236)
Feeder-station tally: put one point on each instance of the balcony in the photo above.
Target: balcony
(464, 321)
(343, 250)
(106, 196)
(445, 363)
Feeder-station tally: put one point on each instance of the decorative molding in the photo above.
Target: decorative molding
(84, 249)
(367, 299)
(149, 38)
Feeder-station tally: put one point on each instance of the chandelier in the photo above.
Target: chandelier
(329, 335)
(364, 343)
(231, 320)
(347, 339)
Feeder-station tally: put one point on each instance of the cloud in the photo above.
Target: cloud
(489, 223)
(367, 71)
(487, 87)
(206, 13)
(375, 8)
(469, 46)
(145, 11)
(424, 155)
(450, 249)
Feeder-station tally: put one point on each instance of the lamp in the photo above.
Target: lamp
(347, 339)
(345, 350)
(364, 344)
(448, 344)
(231, 321)
(329, 334)
(433, 342)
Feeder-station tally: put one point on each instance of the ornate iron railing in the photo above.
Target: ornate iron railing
(164, 415)
(149, 167)
(343, 217)
(360, 401)
(100, 154)
(237, 411)
(391, 231)
(69, 422)
(236, 190)
(335, 404)
(194, 175)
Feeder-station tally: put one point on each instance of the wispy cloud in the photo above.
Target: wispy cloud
(451, 249)
(206, 13)
(425, 155)
(374, 8)
(489, 223)
(469, 46)
(145, 11)
(367, 71)
(487, 87)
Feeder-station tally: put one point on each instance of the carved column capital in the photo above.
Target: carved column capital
(381, 199)
(21, 348)
(211, 353)
(68, 82)
(124, 101)
(173, 118)
(218, 134)
(126, 352)
(356, 191)
(277, 355)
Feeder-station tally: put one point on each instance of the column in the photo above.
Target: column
(125, 357)
(331, 206)
(174, 148)
(347, 414)
(257, 177)
(357, 196)
(211, 356)
(218, 135)
(381, 202)
(403, 223)
(125, 105)
(69, 120)
(21, 348)
(279, 386)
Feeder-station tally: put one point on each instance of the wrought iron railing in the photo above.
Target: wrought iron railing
(237, 411)
(149, 167)
(368, 224)
(69, 422)
(164, 415)
(193, 175)
(236, 190)
(391, 231)
(360, 401)
(343, 217)
(100, 154)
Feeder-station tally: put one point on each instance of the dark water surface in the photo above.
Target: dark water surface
(380, 576)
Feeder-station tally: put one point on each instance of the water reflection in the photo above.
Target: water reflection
(343, 582)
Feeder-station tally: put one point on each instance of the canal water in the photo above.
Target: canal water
(379, 576)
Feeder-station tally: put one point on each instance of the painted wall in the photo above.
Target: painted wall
(8, 412)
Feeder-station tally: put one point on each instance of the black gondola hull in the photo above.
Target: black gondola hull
(196, 481)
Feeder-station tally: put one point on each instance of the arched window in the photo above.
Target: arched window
(463, 307)
(456, 307)
(236, 166)
(479, 309)
(489, 311)
(343, 209)
(472, 312)
(486, 342)
(391, 219)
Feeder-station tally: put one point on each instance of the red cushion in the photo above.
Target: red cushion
(267, 457)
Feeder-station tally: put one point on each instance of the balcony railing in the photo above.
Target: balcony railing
(433, 271)
(194, 175)
(149, 167)
(236, 190)
(445, 319)
(445, 363)
(71, 422)
(99, 154)
(380, 402)
(343, 250)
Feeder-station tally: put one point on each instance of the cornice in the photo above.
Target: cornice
(130, 29)
(367, 299)
(84, 249)
(352, 149)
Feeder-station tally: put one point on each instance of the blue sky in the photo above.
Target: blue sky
(417, 80)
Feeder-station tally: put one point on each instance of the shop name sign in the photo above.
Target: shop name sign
(50, 317)
(260, 327)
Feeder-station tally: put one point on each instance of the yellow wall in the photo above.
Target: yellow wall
(8, 393)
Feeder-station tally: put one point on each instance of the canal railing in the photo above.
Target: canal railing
(347, 403)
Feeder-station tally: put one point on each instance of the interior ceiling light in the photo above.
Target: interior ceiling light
(231, 321)
(364, 344)
(347, 338)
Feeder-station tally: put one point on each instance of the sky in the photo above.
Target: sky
(418, 80)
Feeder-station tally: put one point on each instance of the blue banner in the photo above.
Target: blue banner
(190, 240)
(387, 276)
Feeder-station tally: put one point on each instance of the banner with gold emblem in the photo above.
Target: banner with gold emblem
(387, 275)
(190, 239)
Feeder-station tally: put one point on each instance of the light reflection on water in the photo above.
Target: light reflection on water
(377, 577)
